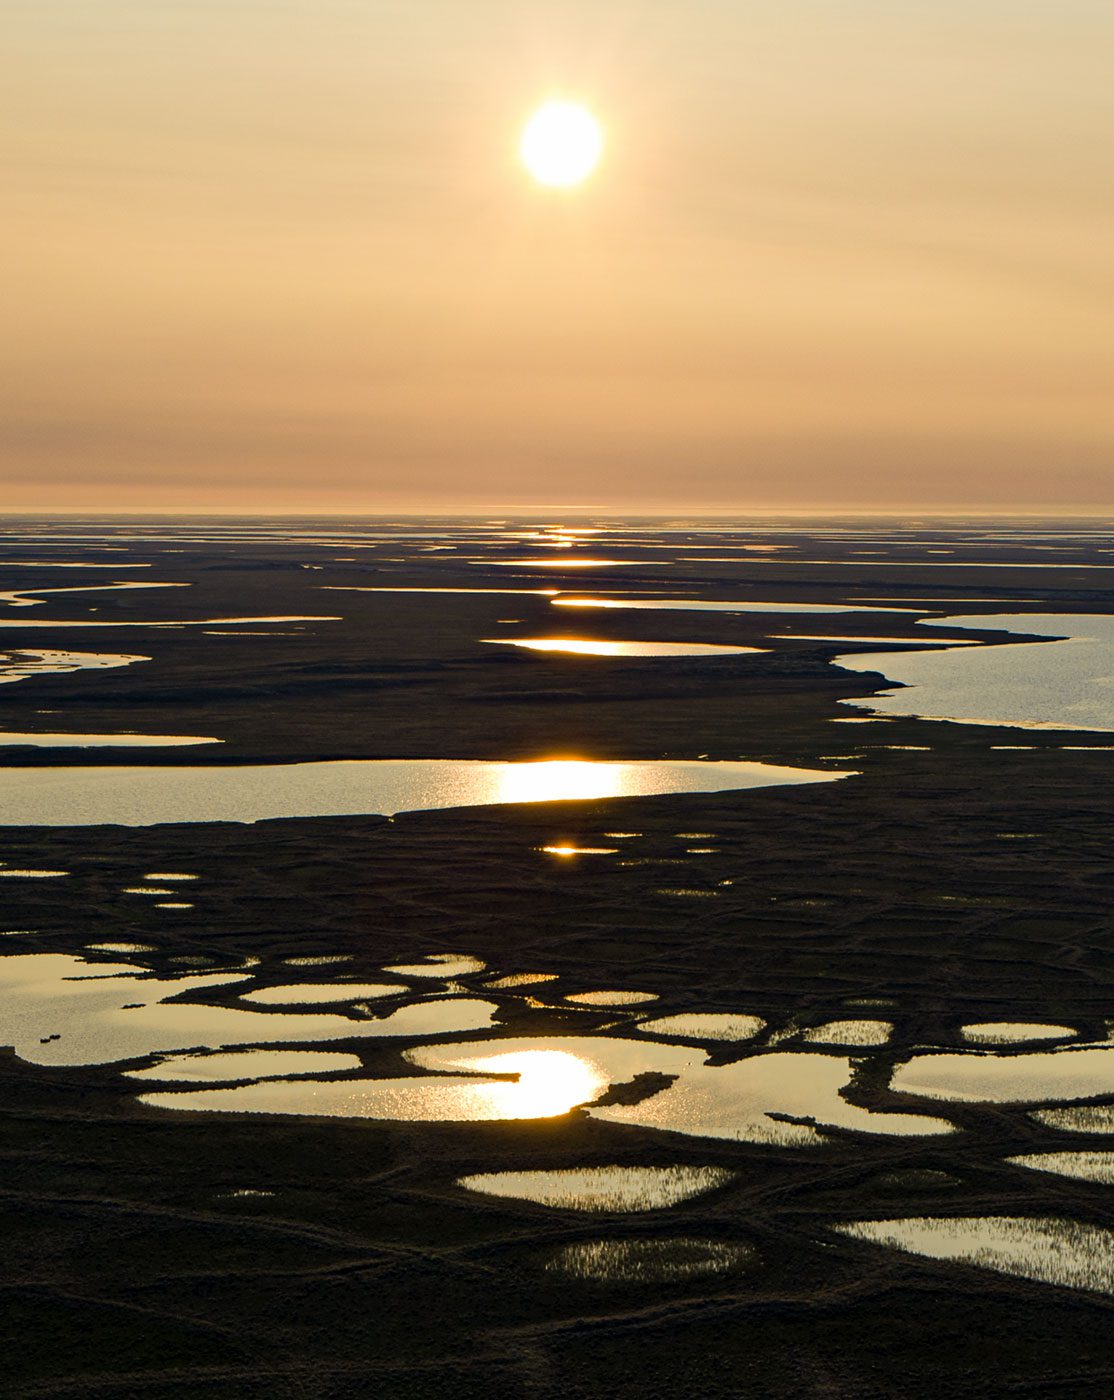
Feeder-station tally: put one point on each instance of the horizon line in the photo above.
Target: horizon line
(1105, 512)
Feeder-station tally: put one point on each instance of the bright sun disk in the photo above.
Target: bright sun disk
(561, 144)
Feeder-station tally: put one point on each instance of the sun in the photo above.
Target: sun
(561, 144)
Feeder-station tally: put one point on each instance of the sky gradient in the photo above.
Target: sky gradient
(280, 254)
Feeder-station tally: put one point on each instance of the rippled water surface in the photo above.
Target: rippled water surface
(1084, 1118)
(713, 605)
(8, 739)
(30, 664)
(602, 1188)
(1081, 1166)
(849, 1033)
(612, 998)
(247, 1064)
(1063, 684)
(56, 1009)
(1047, 1250)
(592, 646)
(1037, 1076)
(784, 1099)
(33, 597)
(1012, 1032)
(51, 622)
(501, 1081)
(438, 965)
(134, 796)
(318, 993)
(708, 1025)
(649, 1261)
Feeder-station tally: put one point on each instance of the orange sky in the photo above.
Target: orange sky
(282, 255)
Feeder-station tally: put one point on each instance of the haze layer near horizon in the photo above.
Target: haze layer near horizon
(285, 257)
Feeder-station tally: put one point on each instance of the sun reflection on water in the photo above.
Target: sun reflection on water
(595, 646)
(549, 1083)
(558, 780)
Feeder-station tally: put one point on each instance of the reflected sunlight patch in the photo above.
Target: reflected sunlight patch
(592, 646)
(150, 795)
(1046, 1250)
(611, 1188)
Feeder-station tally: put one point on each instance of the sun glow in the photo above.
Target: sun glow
(562, 144)
(560, 780)
(546, 1084)
(549, 1083)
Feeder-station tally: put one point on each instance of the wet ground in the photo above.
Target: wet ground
(964, 879)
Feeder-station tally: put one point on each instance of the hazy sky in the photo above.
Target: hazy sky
(281, 254)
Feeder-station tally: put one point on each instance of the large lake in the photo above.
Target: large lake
(148, 796)
(1062, 684)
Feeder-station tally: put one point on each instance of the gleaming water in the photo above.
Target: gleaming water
(783, 1099)
(1047, 1250)
(1013, 1032)
(245, 1064)
(1062, 684)
(877, 641)
(9, 739)
(26, 664)
(575, 561)
(715, 605)
(32, 597)
(514, 980)
(68, 623)
(707, 1025)
(1080, 1166)
(648, 1261)
(569, 851)
(442, 965)
(146, 796)
(611, 1188)
(611, 998)
(476, 1082)
(1036, 1076)
(849, 1033)
(592, 646)
(1079, 1118)
(56, 1009)
(321, 993)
